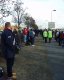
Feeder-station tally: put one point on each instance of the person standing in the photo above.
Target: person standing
(32, 37)
(16, 35)
(27, 42)
(56, 35)
(63, 39)
(50, 35)
(45, 35)
(8, 48)
(17, 40)
(60, 38)
(25, 32)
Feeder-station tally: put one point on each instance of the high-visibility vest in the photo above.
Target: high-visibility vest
(45, 34)
(49, 34)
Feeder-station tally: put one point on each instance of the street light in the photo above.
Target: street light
(51, 14)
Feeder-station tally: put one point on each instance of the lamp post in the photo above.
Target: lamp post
(51, 14)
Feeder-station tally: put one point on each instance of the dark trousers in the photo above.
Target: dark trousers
(9, 63)
(63, 42)
(27, 43)
(45, 38)
(60, 41)
(32, 40)
(50, 40)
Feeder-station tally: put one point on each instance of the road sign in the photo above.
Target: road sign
(51, 24)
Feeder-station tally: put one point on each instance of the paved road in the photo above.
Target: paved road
(55, 60)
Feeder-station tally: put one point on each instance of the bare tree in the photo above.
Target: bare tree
(14, 8)
(19, 12)
(4, 11)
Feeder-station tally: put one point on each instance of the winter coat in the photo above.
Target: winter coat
(8, 43)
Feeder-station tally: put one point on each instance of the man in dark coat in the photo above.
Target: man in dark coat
(8, 47)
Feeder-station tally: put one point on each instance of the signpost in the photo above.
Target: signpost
(51, 25)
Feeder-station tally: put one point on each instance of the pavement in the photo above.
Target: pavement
(55, 60)
(44, 61)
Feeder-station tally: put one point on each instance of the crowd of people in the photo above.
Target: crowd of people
(59, 37)
(28, 36)
(11, 40)
(47, 35)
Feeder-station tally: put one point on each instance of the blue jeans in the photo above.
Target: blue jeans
(25, 38)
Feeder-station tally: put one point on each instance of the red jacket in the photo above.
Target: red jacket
(25, 31)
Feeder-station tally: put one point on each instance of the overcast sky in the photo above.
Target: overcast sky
(40, 10)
